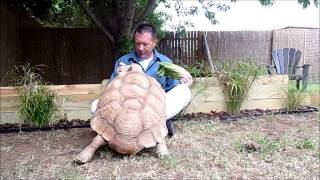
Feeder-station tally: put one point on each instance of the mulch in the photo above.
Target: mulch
(222, 116)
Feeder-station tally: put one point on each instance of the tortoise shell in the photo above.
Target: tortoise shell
(131, 112)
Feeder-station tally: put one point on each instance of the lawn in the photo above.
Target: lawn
(313, 87)
(268, 147)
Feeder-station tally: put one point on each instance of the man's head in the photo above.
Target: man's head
(145, 40)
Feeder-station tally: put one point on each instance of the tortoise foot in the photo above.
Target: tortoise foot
(88, 152)
(162, 148)
(85, 155)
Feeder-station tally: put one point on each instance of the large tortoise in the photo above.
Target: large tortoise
(130, 115)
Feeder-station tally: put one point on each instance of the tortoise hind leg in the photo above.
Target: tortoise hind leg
(87, 153)
(162, 148)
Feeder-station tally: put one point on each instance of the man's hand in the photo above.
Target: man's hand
(186, 79)
(122, 68)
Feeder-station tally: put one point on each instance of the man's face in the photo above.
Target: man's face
(144, 44)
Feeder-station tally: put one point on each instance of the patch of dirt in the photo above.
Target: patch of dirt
(201, 149)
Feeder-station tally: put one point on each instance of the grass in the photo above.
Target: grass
(306, 143)
(169, 161)
(25, 168)
(313, 87)
(68, 173)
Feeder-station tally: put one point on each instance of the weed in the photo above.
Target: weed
(6, 148)
(115, 174)
(306, 144)
(266, 146)
(169, 161)
(106, 153)
(25, 168)
(67, 174)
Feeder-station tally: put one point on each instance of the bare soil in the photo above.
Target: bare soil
(285, 147)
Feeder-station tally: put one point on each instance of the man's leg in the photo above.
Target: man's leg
(176, 99)
(94, 105)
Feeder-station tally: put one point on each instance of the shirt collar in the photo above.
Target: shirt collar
(157, 55)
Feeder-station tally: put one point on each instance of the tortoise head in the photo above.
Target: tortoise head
(134, 67)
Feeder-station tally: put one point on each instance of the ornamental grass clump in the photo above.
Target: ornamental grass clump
(235, 80)
(294, 96)
(38, 104)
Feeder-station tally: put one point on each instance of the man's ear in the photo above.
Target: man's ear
(155, 42)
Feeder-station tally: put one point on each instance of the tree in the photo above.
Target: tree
(117, 19)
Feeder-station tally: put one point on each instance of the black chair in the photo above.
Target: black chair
(286, 61)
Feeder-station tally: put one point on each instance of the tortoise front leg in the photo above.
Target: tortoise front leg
(88, 152)
(162, 148)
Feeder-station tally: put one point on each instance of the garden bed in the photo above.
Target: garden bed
(267, 92)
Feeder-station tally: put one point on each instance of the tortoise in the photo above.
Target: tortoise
(130, 115)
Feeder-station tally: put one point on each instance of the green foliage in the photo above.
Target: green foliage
(235, 80)
(37, 102)
(67, 173)
(266, 145)
(306, 144)
(155, 18)
(127, 45)
(169, 161)
(170, 70)
(294, 96)
(66, 14)
(304, 3)
(313, 87)
(37, 105)
(158, 19)
(198, 70)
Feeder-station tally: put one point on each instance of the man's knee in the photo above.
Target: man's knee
(176, 99)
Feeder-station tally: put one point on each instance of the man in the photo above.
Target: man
(178, 93)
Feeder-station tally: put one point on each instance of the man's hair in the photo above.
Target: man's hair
(146, 27)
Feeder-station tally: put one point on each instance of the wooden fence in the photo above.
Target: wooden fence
(186, 49)
(73, 56)
(83, 56)
(238, 45)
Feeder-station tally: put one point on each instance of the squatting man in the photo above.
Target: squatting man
(178, 93)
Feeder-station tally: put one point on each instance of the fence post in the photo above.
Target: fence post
(208, 52)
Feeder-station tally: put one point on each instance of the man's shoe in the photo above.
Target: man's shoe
(171, 128)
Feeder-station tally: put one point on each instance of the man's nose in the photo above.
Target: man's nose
(140, 47)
